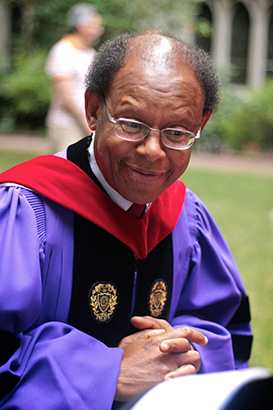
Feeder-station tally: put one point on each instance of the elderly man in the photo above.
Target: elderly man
(114, 277)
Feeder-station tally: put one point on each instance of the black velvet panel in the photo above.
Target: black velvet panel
(101, 258)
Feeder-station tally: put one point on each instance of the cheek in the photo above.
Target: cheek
(109, 152)
(113, 148)
(179, 162)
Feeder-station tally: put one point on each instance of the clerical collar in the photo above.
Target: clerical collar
(113, 194)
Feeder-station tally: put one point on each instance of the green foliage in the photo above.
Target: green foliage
(245, 119)
(43, 23)
(25, 93)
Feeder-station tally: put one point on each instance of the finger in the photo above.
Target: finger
(148, 322)
(178, 345)
(155, 332)
(192, 335)
(175, 338)
(180, 359)
(184, 370)
(141, 335)
(192, 357)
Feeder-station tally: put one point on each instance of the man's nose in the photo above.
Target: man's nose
(152, 147)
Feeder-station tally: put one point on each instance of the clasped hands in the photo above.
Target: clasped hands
(157, 352)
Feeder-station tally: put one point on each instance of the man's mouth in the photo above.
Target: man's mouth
(143, 174)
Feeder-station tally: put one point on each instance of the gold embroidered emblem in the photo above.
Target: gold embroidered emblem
(158, 297)
(103, 300)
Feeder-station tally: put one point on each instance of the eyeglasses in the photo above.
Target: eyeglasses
(134, 131)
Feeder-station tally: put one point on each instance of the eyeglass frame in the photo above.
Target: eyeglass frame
(114, 121)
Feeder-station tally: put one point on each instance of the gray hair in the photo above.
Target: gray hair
(79, 14)
(114, 54)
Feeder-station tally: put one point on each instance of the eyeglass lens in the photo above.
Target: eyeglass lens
(135, 131)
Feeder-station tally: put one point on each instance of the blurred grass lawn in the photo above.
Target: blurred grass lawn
(9, 158)
(241, 205)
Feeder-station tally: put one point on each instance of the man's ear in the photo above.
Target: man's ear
(92, 105)
(205, 119)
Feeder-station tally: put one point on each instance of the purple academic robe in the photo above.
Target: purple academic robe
(61, 367)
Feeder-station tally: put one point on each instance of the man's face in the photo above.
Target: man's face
(160, 97)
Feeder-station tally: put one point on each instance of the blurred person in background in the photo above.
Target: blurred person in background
(67, 65)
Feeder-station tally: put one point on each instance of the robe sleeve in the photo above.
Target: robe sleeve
(51, 365)
(212, 298)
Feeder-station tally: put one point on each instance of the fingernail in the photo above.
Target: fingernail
(165, 346)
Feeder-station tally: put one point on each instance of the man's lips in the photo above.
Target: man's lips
(139, 173)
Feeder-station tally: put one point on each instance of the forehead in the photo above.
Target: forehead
(158, 87)
(156, 65)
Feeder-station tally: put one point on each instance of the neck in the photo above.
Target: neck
(79, 40)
